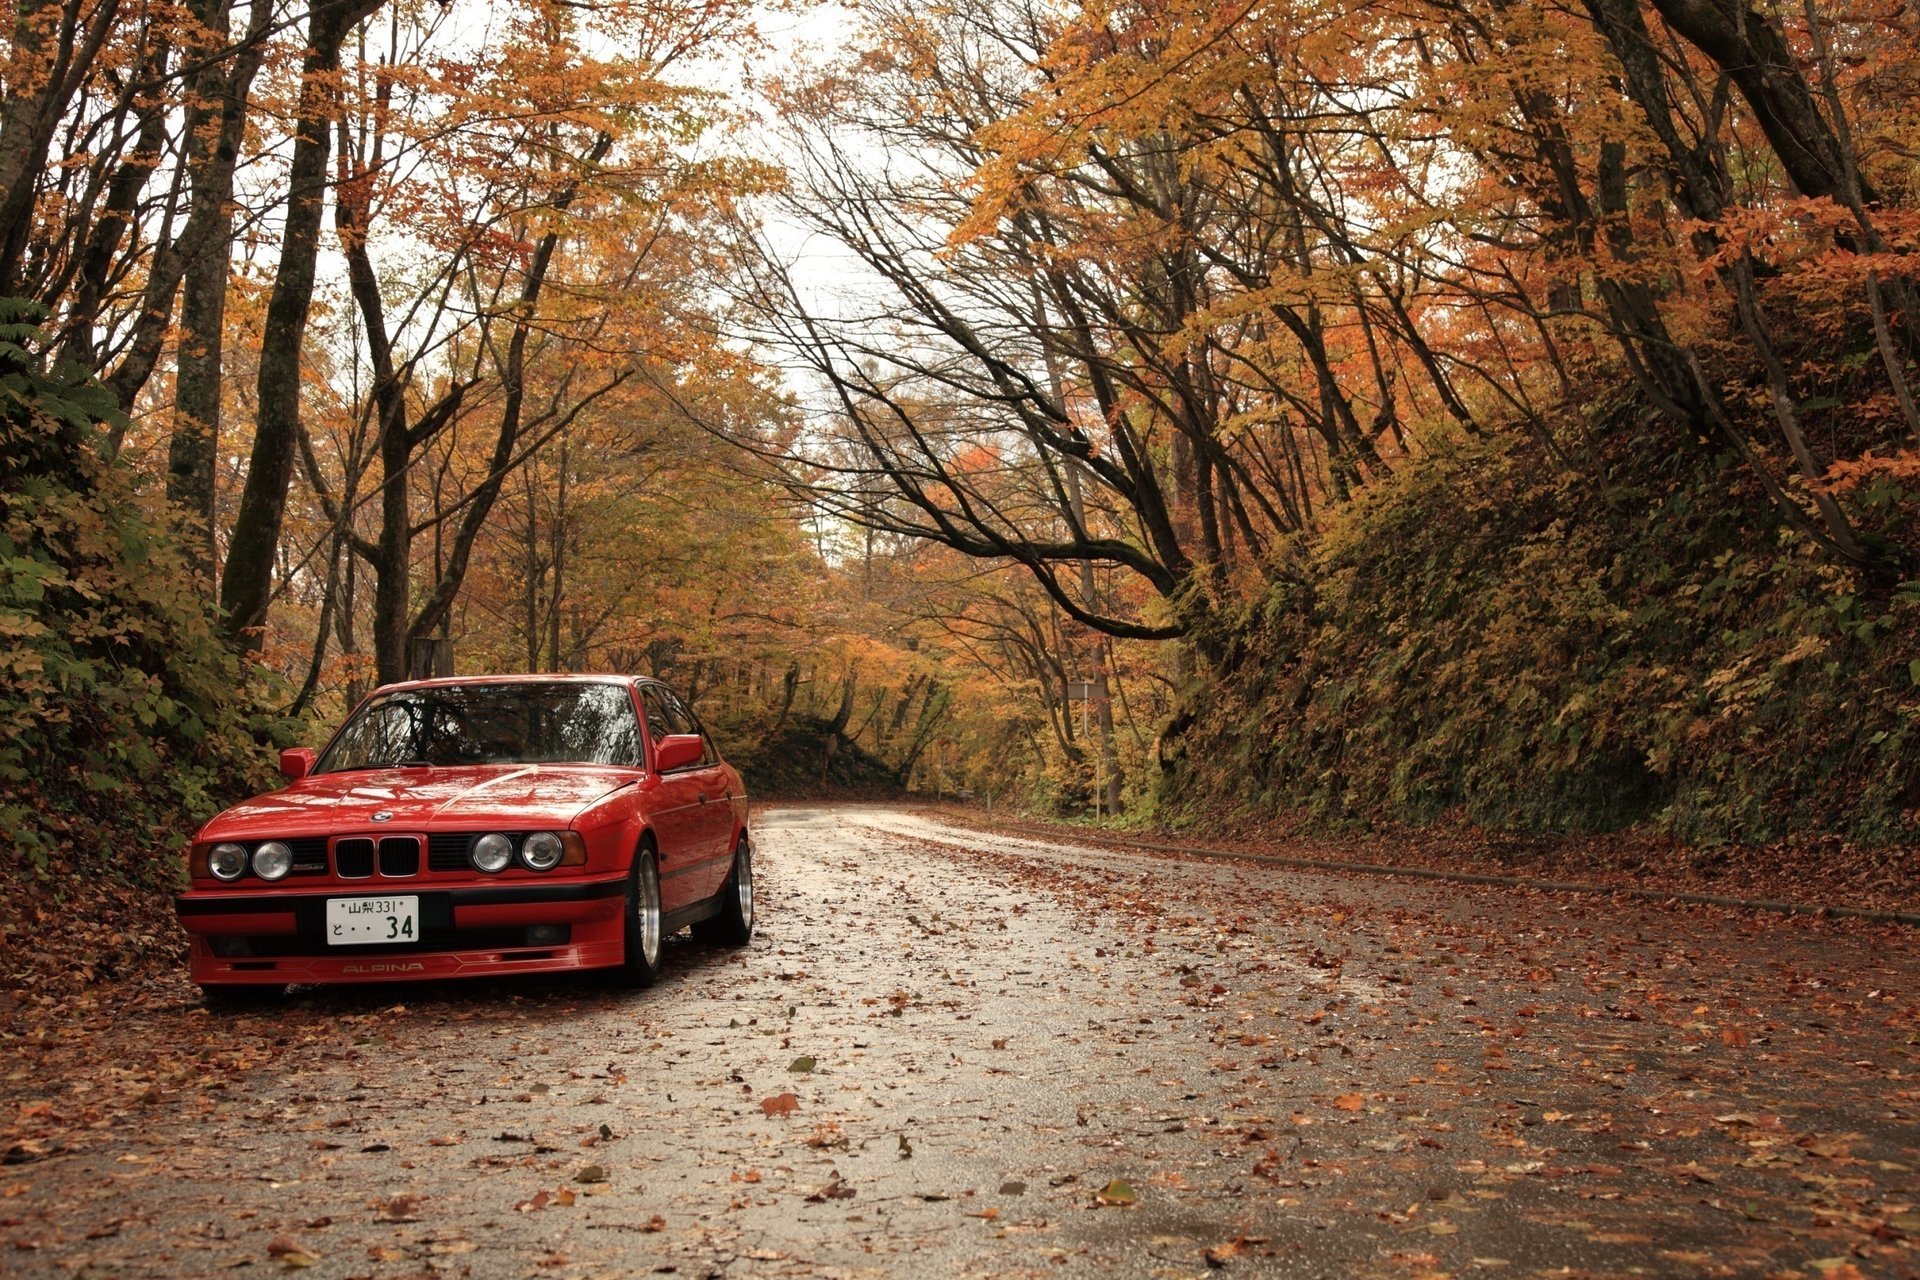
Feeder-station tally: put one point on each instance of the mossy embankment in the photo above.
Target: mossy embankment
(807, 758)
(124, 719)
(1637, 641)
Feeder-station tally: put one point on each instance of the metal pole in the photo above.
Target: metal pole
(1099, 794)
(1086, 736)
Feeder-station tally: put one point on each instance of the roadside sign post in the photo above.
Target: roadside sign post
(1081, 691)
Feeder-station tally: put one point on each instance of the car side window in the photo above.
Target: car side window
(658, 726)
(665, 715)
(682, 714)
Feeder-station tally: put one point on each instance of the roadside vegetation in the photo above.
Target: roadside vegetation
(1544, 647)
(1346, 418)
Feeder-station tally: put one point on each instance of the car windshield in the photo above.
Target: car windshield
(536, 722)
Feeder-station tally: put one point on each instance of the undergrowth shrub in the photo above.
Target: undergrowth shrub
(124, 721)
(795, 759)
(1542, 649)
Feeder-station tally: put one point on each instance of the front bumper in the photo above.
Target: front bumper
(466, 932)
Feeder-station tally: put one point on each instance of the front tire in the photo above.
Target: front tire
(643, 931)
(733, 927)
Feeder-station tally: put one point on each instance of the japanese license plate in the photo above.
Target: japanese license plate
(357, 921)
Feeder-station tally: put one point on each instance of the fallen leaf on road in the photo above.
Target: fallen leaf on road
(835, 1190)
(780, 1104)
(1220, 1255)
(400, 1208)
(291, 1252)
(542, 1199)
(1119, 1192)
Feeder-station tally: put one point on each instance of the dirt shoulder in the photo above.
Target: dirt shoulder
(1812, 874)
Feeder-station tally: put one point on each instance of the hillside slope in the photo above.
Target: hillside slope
(1539, 649)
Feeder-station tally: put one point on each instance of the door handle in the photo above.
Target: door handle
(703, 797)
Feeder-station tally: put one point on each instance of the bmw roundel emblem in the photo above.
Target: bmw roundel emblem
(385, 815)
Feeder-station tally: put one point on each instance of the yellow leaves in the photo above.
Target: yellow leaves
(1804, 647)
(1111, 82)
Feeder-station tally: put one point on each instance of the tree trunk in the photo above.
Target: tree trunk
(1751, 49)
(393, 569)
(216, 120)
(789, 685)
(513, 374)
(557, 553)
(247, 582)
(838, 725)
(117, 213)
(531, 573)
(47, 63)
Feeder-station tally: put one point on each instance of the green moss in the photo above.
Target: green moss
(1541, 651)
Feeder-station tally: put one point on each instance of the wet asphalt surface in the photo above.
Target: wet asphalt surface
(949, 1054)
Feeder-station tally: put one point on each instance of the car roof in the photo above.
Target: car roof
(532, 677)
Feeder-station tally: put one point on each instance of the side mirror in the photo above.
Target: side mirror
(296, 763)
(677, 750)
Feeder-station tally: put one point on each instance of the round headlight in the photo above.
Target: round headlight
(227, 862)
(492, 852)
(542, 851)
(272, 860)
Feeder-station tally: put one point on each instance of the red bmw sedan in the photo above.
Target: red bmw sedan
(477, 826)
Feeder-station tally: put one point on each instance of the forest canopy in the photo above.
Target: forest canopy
(1369, 411)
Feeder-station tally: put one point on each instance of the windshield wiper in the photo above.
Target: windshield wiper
(383, 764)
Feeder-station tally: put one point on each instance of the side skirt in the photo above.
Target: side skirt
(674, 921)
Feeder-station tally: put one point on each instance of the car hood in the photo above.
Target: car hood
(522, 796)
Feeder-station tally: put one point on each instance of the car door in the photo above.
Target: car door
(676, 812)
(716, 797)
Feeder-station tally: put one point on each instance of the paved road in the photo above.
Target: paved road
(1008, 1057)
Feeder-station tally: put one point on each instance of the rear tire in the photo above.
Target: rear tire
(643, 934)
(733, 927)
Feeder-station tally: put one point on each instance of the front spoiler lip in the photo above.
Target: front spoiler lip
(255, 902)
(413, 966)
